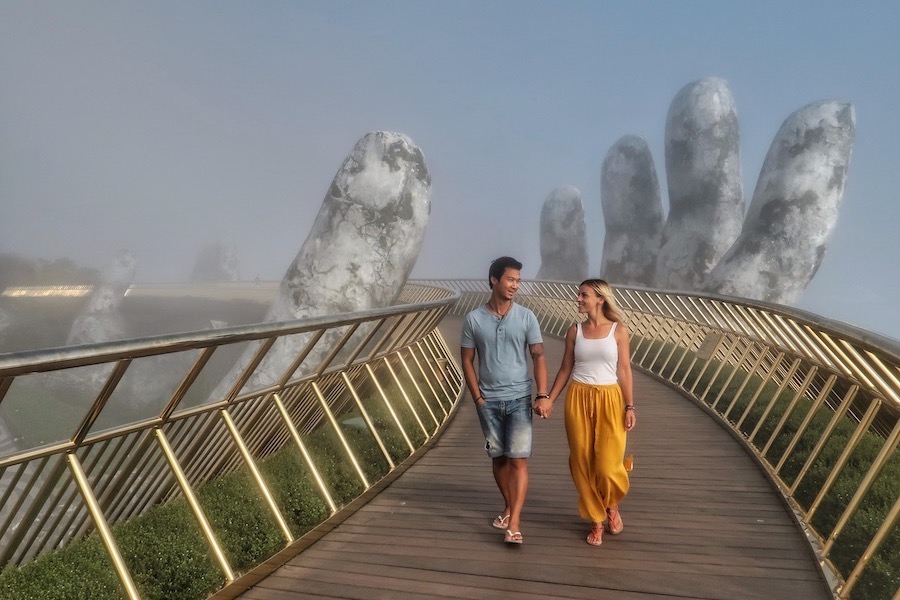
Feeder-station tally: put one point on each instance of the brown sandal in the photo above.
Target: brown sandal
(614, 523)
(595, 537)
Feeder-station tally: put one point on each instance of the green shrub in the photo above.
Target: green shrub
(164, 549)
(167, 555)
(294, 490)
(238, 515)
(334, 467)
(82, 571)
(881, 577)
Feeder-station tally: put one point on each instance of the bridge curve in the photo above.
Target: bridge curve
(701, 522)
(815, 404)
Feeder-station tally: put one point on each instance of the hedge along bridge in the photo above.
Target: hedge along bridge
(815, 402)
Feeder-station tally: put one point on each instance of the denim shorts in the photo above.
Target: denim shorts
(506, 425)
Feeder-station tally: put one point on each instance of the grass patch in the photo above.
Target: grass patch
(54, 575)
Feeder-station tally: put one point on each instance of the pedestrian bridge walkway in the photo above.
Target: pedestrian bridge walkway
(339, 457)
(701, 521)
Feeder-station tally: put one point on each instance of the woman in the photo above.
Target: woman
(599, 407)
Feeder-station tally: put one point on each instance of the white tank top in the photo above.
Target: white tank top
(596, 360)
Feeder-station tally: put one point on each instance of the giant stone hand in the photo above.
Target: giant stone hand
(564, 253)
(707, 243)
(102, 320)
(632, 212)
(359, 251)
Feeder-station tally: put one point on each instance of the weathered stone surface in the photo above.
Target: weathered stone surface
(101, 320)
(216, 262)
(367, 235)
(362, 246)
(632, 213)
(8, 443)
(706, 202)
(564, 254)
(794, 209)
(5, 323)
(13, 487)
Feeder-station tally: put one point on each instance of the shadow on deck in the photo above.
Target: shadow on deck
(701, 521)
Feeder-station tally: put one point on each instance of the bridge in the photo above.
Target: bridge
(766, 460)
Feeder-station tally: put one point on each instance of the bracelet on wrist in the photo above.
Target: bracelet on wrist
(629, 407)
(539, 396)
(479, 398)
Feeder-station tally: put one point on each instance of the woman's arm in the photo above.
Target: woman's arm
(623, 372)
(544, 406)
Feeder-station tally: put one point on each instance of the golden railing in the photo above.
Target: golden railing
(815, 401)
(129, 425)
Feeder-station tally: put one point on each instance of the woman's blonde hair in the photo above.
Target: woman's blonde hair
(611, 310)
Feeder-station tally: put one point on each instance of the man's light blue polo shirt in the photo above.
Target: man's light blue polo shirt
(502, 348)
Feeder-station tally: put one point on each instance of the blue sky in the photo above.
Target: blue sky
(162, 126)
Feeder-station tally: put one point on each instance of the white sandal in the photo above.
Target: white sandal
(513, 537)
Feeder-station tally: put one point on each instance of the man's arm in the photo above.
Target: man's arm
(540, 367)
(537, 353)
(467, 357)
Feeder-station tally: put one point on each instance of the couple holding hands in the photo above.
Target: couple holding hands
(599, 407)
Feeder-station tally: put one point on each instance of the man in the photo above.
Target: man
(500, 332)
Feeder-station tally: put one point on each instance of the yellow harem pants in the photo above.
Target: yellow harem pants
(595, 428)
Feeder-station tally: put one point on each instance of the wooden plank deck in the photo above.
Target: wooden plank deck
(701, 521)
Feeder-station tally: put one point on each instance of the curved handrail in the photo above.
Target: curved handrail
(109, 465)
(815, 401)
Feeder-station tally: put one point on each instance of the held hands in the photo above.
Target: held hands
(543, 407)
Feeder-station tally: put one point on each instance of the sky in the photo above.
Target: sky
(163, 126)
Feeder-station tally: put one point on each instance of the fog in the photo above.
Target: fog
(162, 127)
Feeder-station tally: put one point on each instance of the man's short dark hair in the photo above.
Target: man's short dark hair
(499, 267)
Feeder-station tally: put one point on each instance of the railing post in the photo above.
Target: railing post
(390, 408)
(864, 423)
(310, 463)
(102, 527)
(368, 420)
(886, 526)
(337, 430)
(257, 476)
(890, 444)
(409, 403)
(192, 501)
(839, 414)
